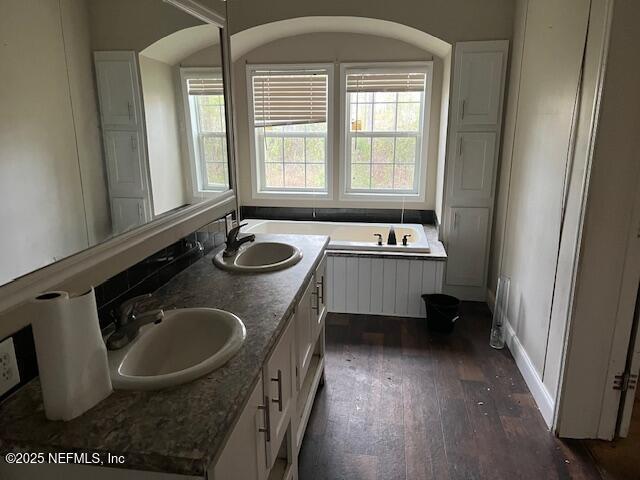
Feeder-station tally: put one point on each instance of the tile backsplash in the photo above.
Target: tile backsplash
(157, 269)
(143, 277)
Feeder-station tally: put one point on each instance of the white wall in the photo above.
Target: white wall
(538, 132)
(134, 25)
(207, 57)
(332, 48)
(160, 92)
(42, 213)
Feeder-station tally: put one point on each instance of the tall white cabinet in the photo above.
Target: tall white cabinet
(472, 161)
(123, 134)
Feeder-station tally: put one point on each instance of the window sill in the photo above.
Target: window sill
(285, 195)
(383, 197)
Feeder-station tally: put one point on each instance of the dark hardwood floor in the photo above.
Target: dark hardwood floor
(400, 403)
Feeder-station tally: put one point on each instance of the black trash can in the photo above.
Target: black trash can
(442, 312)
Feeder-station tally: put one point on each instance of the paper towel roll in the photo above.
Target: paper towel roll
(72, 357)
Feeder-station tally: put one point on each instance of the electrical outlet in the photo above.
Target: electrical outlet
(9, 374)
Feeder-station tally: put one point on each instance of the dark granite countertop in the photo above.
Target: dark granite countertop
(181, 429)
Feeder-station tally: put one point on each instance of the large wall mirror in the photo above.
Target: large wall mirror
(113, 115)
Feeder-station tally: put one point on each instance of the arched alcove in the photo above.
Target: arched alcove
(246, 40)
(247, 47)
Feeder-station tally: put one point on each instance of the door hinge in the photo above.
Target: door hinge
(624, 382)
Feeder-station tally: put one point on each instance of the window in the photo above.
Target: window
(385, 111)
(204, 97)
(289, 118)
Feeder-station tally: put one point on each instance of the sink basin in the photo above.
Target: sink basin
(260, 257)
(186, 344)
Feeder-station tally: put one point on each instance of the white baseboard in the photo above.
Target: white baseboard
(540, 393)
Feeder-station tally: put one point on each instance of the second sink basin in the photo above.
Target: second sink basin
(260, 257)
(186, 344)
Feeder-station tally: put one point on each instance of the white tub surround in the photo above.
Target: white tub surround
(365, 278)
(381, 285)
(349, 236)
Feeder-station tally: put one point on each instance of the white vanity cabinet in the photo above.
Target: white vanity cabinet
(279, 377)
(265, 442)
(305, 327)
(309, 321)
(254, 449)
(320, 307)
(244, 455)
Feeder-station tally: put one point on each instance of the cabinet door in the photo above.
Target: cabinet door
(473, 169)
(244, 455)
(466, 246)
(117, 78)
(305, 326)
(125, 164)
(278, 377)
(319, 307)
(128, 213)
(480, 87)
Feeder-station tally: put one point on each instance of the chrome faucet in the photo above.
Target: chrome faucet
(234, 243)
(129, 322)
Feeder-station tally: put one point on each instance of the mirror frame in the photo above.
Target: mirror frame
(98, 263)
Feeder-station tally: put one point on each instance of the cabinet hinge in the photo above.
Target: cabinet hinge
(624, 382)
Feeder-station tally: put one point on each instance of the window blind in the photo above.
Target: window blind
(386, 82)
(289, 97)
(205, 86)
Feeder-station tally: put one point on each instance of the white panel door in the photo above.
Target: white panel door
(467, 246)
(480, 87)
(125, 164)
(128, 213)
(473, 170)
(118, 92)
(244, 455)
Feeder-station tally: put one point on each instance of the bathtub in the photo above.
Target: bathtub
(363, 277)
(349, 236)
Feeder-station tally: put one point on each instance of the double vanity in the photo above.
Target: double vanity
(218, 386)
